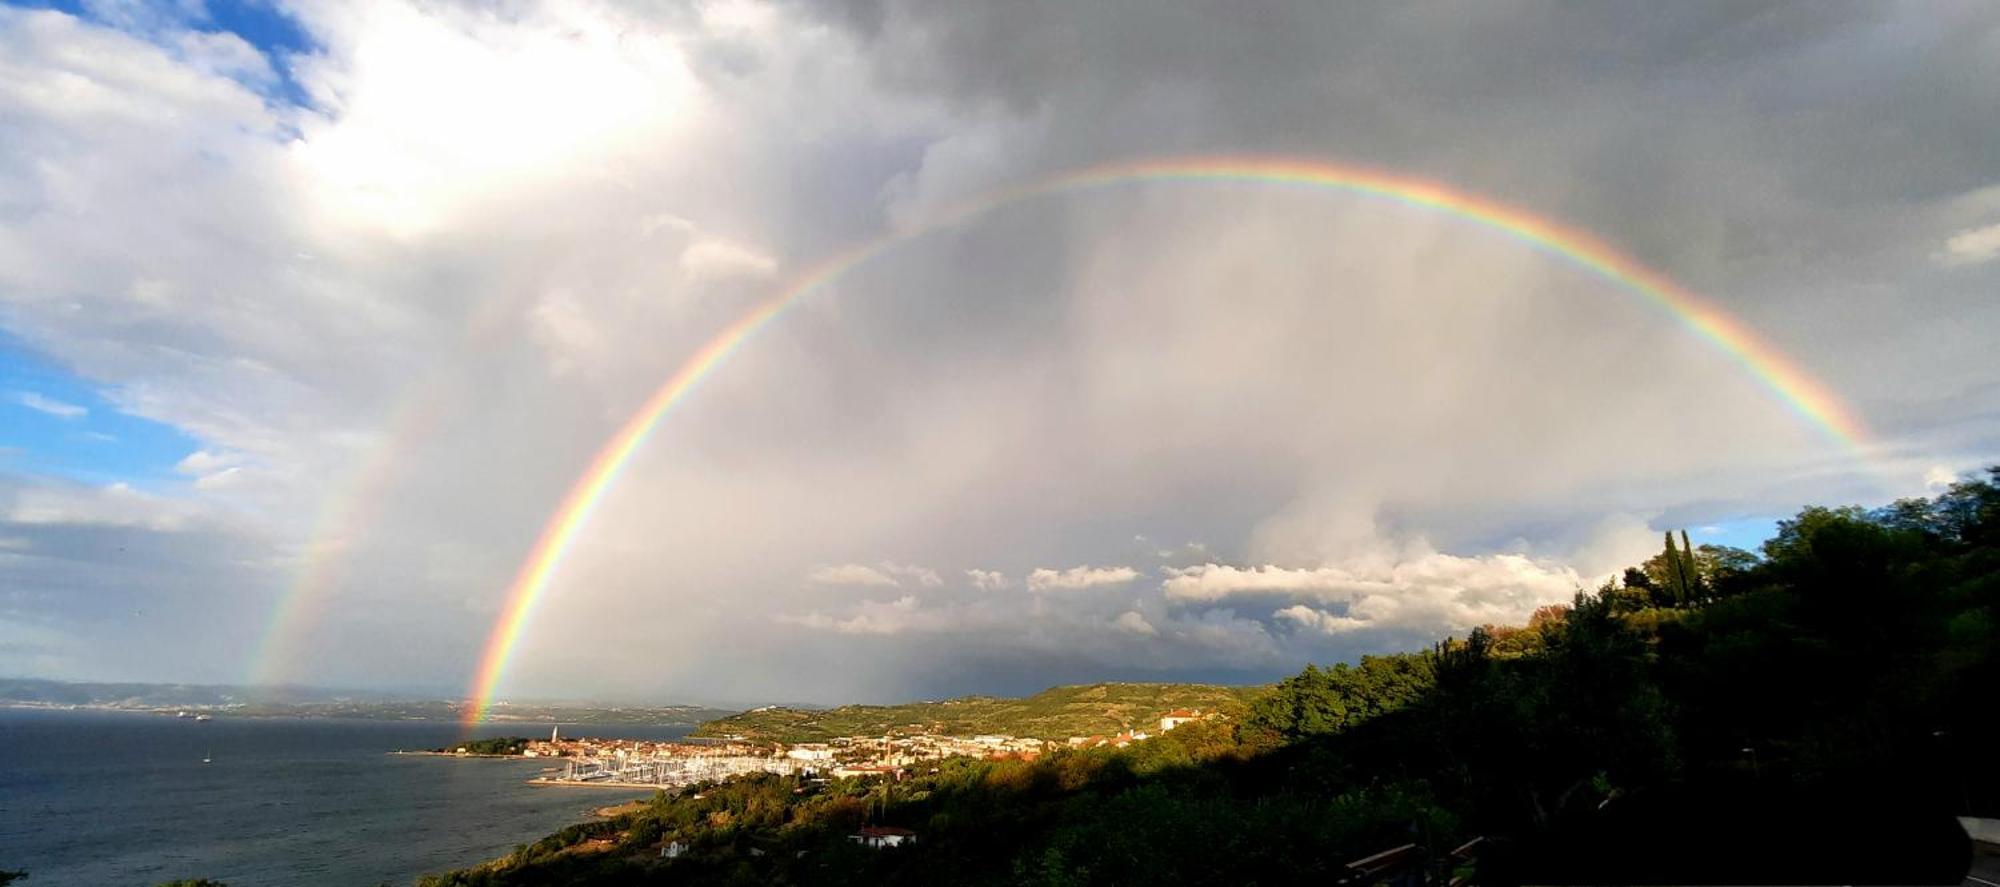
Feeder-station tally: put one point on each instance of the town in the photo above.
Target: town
(674, 764)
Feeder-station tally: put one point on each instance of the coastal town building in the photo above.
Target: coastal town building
(592, 761)
(1119, 741)
(881, 836)
(810, 751)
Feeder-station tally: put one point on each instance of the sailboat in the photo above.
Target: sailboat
(207, 758)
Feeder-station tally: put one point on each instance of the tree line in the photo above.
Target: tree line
(1816, 711)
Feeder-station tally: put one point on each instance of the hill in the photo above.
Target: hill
(313, 702)
(1819, 713)
(1056, 713)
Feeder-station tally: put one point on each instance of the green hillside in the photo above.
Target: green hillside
(1817, 713)
(1056, 713)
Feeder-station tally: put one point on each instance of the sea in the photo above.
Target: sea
(105, 798)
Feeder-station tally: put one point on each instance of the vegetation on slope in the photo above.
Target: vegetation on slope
(499, 745)
(1054, 714)
(1814, 715)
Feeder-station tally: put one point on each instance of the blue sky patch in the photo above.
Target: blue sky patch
(54, 424)
(1747, 533)
(272, 30)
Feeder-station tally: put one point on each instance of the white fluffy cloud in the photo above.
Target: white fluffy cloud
(987, 580)
(923, 576)
(1973, 245)
(202, 462)
(1134, 622)
(711, 260)
(1321, 621)
(1074, 578)
(1421, 591)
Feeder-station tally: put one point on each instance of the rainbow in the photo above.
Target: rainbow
(343, 520)
(1764, 362)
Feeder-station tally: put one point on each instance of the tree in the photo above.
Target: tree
(1689, 569)
(1320, 701)
(1720, 564)
(1793, 543)
(1673, 573)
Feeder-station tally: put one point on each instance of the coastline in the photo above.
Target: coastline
(453, 754)
(613, 811)
(598, 783)
(341, 800)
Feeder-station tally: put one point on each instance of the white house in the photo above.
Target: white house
(879, 836)
(816, 751)
(1178, 717)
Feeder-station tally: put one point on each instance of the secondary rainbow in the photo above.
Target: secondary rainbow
(345, 519)
(1770, 367)
(343, 522)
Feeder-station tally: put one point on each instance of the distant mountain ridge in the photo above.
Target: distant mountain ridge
(139, 695)
(1054, 714)
(313, 702)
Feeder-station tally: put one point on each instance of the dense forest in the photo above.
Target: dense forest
(1816, 712)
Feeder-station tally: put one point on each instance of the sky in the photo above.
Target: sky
(312, 312)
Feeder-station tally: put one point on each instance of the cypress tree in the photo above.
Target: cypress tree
(1673, 565)
(1693, 569)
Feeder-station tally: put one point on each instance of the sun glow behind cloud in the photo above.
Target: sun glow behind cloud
(440, 107)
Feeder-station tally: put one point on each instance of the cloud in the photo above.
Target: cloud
(218, 479)
(851, 574)
(987, 580)
(139, 15)
(1131, 621)
(1074, 578)
(202, 462)
(923, 576)
(1972, 246)
(1320, 621)
(566, 332)
(712, 260)
(887, 574)
(1938, 477)
(1426, 592)
(874, 617)
(51, 406)
(212, 471)
(116, 504)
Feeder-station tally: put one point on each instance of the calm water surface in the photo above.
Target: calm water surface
(114, 798)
